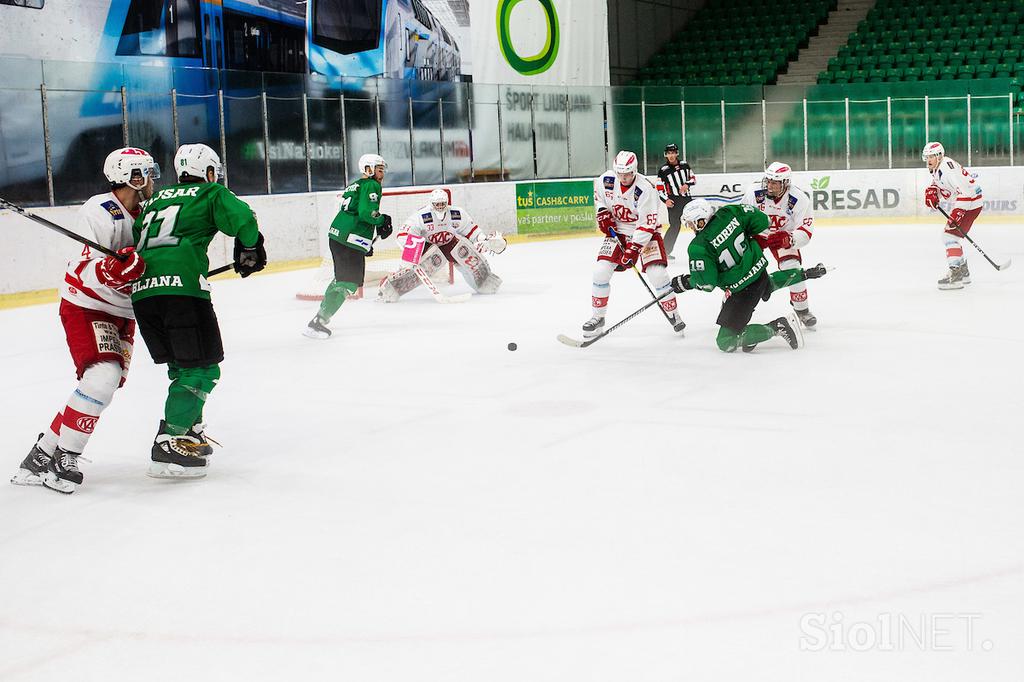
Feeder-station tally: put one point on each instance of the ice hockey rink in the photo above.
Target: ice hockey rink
(411, 501)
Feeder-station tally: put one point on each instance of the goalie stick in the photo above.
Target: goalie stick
(997, 266)
(569, 341)
(434, 291)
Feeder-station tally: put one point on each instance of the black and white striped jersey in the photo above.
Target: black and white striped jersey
(676, 178)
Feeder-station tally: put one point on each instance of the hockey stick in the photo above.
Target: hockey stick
(639, 274)
(434, 291)
(57, 228)
(583, 344)
(966, 236)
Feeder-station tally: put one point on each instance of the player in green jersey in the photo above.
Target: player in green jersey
(351, 238)
(172, 298)
(726, 253)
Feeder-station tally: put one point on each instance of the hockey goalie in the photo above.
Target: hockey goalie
(438, 234)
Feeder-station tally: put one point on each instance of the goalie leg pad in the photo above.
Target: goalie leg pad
(402, 281)
(474, 267)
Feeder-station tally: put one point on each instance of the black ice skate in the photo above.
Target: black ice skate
(965, 273)
(592, 327)
(677, 323)
(64, 475)
(178, 456)
(788, 328)
(816, 271)
(806, 317)
(34, 467)
(316, 329)
(955, 278)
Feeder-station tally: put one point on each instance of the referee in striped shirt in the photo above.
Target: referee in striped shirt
(677, 178)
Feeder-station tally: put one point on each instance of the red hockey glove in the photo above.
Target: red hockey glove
(605, 221)
(115, 273)
(931, 197)
(956, 218)
(629, 254)
(779, 240)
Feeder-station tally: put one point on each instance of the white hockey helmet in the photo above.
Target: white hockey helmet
(195, 160)
(371, 161)
(130, 166)
(439, 200)
(777, 172)
(625, 163)
(695, 211)
(932, 149)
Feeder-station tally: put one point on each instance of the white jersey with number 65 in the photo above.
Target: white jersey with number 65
(635, 208)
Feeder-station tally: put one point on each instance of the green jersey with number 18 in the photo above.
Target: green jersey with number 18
(724, 254)
(174, 231)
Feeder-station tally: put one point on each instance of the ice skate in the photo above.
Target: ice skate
(198, 431)
(954, 279)
(816, 271)
(592, 327)
(788, 328)
(34, 467)
(316, 329)
(677, 323)
(178, 456)
(63, 474)
(965, 273)
(806, 317)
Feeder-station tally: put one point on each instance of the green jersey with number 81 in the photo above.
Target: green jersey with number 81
(724, 254)
(174, 231)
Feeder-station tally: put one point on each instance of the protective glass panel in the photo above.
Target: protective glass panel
(23, 163)
(325, 143)
(744, 144)
(84, 128)
(869, 142)
(587, 143)
(990, 131)
(243, 131)
(287, 149)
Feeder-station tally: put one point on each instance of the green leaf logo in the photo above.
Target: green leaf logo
(820, 183)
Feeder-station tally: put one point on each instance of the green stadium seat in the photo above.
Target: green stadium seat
(966, 71)
(984, 70)
(876, 75)
(1010, 56)
(912, 73)
(842, 77)
(947, 72)
(903, 61)
(886, 61)
(895, 74)
(974, 57)
(993, 56)
(955, 58)
(930, 73)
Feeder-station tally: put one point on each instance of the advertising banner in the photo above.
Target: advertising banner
(552, 207)
(540, 42)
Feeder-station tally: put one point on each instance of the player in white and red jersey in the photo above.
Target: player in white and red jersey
(959, 193)
(437, 234)
(790, 227)
(627, 212)
(96, 312)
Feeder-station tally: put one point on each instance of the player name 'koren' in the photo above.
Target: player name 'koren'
(153, 282)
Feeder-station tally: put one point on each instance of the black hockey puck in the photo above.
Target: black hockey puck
(512, 346)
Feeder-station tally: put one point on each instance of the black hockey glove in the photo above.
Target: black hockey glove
(384, 230)
(250, 259)
(681, 283)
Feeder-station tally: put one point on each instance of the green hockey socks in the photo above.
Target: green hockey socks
(189, 390)
(752, 334)
(334, 296)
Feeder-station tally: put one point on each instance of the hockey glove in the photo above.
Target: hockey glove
(250, 259)
(681, 283)
(956, 218)
(931, 197)
(115, 273)
(629, 254)
(779, 240)
(384, 230)
(605, 221)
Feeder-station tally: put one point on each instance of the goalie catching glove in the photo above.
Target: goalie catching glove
(250, 259)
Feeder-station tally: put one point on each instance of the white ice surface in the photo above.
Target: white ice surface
(412, 501)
